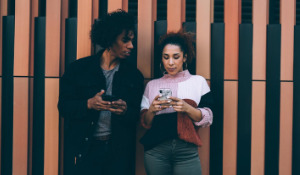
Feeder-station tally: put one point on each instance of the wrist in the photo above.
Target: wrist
(88, 104)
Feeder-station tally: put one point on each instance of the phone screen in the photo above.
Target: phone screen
(165, 93)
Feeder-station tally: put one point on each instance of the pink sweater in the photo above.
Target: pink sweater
(184, 86)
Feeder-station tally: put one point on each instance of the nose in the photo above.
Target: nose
(130, 45)
(171, 61)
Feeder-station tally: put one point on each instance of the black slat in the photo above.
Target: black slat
(161, 10)
(296, 119)
(190, 10)
(133, 8)
(217, 88)
(11, 7)
(73, 8)
(102, 8)
(42, 8)
(38, 97)
(219, 11)
(247, 11)
(7, 94)
(272, 99)
(274, 11)
(71, 41)
(160, 28)
(191, 27)
(244, 100)
(297, 12)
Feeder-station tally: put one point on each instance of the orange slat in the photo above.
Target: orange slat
(84, 22)
(260, 13)
(204, 150)
(287, 20)
(113, 5)
(52, 51)
(230, 127)
(22, 31)
(174, 15)
(203, 38)
(286, 128)
(51, 127)
(20, 126)
(125, 5)
(145, 37)
(258, 127)
(231, 20)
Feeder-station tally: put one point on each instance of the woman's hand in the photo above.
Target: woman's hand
(97, 103)
(180, 105)
(158, 105)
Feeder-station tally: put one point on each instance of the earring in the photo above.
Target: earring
(185, 65)
(162, 69)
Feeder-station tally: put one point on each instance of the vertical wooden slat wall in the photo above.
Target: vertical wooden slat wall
(244, 70)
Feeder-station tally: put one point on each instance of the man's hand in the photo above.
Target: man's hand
(118, 107)
(97, 103)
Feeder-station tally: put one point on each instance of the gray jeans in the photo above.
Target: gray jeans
(173, 157)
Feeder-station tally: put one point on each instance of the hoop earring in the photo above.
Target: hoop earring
(161, 69)
(185, 66)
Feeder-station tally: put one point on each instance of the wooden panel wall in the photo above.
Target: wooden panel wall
(220, 59)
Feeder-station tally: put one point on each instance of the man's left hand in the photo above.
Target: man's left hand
(119, 107)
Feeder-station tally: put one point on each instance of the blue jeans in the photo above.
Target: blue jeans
(173, 157)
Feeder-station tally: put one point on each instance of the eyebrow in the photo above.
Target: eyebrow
(173, 54)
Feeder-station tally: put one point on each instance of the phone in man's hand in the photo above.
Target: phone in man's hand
(109, 98)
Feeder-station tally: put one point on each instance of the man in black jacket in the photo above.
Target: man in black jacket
(99, 100)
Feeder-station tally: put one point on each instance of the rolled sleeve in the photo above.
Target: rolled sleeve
(207, 118)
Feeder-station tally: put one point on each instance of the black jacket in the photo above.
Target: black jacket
(81, 81)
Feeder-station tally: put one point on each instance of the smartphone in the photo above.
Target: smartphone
(165, 93)
(109, 98)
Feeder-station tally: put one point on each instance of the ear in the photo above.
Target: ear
(184, 57)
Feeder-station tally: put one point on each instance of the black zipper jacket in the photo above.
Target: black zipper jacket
(81, 81)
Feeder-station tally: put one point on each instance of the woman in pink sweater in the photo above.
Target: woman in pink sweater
(171, 141)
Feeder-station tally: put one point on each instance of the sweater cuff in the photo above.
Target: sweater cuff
(207, 118)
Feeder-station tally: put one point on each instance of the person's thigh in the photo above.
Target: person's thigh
(157, 160)
(100, 158)
(186, 159)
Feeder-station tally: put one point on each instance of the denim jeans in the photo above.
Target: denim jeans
(173, 157)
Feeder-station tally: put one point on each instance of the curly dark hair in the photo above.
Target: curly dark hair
(182, 39)
(106, 30)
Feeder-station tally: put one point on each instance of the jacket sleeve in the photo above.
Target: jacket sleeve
(69, 105)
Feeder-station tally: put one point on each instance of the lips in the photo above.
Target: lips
(171, 69)
(127, 53)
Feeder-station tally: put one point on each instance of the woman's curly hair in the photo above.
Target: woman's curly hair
(183, 39)
(106, 30)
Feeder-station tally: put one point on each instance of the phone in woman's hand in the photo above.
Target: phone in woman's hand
(165, 93)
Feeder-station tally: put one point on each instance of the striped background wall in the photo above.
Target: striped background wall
(249, 51)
